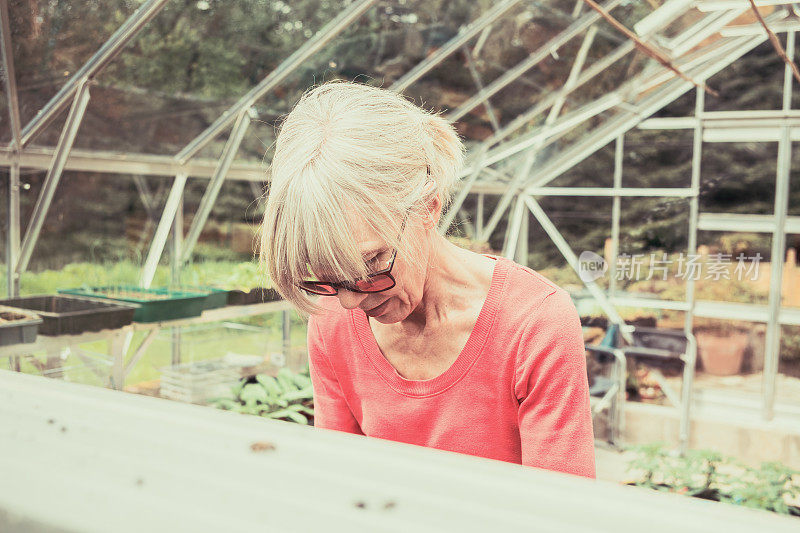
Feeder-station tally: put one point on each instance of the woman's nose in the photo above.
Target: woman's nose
(350, 300)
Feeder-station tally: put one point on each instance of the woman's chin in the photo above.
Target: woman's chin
(390, 316)
(387, 318)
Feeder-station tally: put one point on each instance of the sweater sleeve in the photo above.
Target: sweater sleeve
(552, 387)
(330, 407)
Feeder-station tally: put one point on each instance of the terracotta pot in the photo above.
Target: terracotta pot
(721, 354)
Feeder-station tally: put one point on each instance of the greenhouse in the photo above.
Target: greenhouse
(634, 156)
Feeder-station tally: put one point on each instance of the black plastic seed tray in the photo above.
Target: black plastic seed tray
(17, 326)
(254, 296)
(70, 315)
(216, 297)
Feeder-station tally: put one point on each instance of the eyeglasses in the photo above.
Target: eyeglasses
(379, 281)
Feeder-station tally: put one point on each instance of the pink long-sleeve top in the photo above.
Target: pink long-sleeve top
(517, 392)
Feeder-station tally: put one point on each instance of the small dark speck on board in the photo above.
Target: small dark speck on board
(51, 420)
(139, 482)
(389, 505)
(262, 446)
(361, 505)
(63, 429)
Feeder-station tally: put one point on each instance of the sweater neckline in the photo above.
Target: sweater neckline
(466, 358)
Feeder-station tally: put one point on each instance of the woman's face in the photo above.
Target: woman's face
(398, 302)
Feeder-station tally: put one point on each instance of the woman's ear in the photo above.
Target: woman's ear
(434, 208)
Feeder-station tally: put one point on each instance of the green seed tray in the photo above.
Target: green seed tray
(155, 305)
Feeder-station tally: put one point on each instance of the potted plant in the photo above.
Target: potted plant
(721, 347)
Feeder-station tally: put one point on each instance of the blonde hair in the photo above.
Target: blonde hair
(345, 150)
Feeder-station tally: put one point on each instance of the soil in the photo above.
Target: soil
(262, 446)
(8, 316)
(134, 295)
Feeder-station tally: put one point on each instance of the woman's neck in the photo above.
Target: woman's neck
(454, 278)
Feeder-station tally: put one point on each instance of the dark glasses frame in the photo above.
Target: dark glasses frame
(331, 288)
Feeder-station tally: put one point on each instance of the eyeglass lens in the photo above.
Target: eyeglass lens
(377, 283)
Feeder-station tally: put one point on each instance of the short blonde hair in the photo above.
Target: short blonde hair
(345, 150)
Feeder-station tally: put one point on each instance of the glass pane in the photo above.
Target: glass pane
(735, 85)
(52, 40)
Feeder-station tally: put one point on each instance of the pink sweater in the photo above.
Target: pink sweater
(517, 392)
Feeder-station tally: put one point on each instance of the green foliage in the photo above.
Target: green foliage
(236, 276)
(790, 343)
(223, 274)
(288, 396)
(767, 488)
(710, 475)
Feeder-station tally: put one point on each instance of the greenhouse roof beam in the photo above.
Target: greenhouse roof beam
(577, 27)
(539, 142)
(110, 49)
(780, 211)
(54, 171)
(757, 28)
(696, 59)
(590, 142)
(640, 192)
(452, 45)
(716, 5)
(215, 184)
(11, 81)
(174, 200)
(655, 76)
(289, 65)
(724, 119)
(590, 73)
(146, 196)
(541, 106)
(666, 13)
(708, 25)
(505, 200)
(745, 223)
(655, 53)
(465, 189)
(606, 133)
(476, 78)
(482, 38)
(547, 133)
(101, 162)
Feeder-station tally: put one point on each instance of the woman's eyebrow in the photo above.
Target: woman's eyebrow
(375, 249)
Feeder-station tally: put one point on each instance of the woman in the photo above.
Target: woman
(412, 338)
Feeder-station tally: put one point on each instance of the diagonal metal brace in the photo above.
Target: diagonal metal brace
(53, 175)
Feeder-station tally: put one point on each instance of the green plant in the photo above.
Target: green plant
(241, 276)
(288, 396)
(767, 488)
(710, 475)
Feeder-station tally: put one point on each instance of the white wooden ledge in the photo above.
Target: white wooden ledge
(88, 459)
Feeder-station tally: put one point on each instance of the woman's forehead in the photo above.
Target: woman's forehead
(367, 240)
